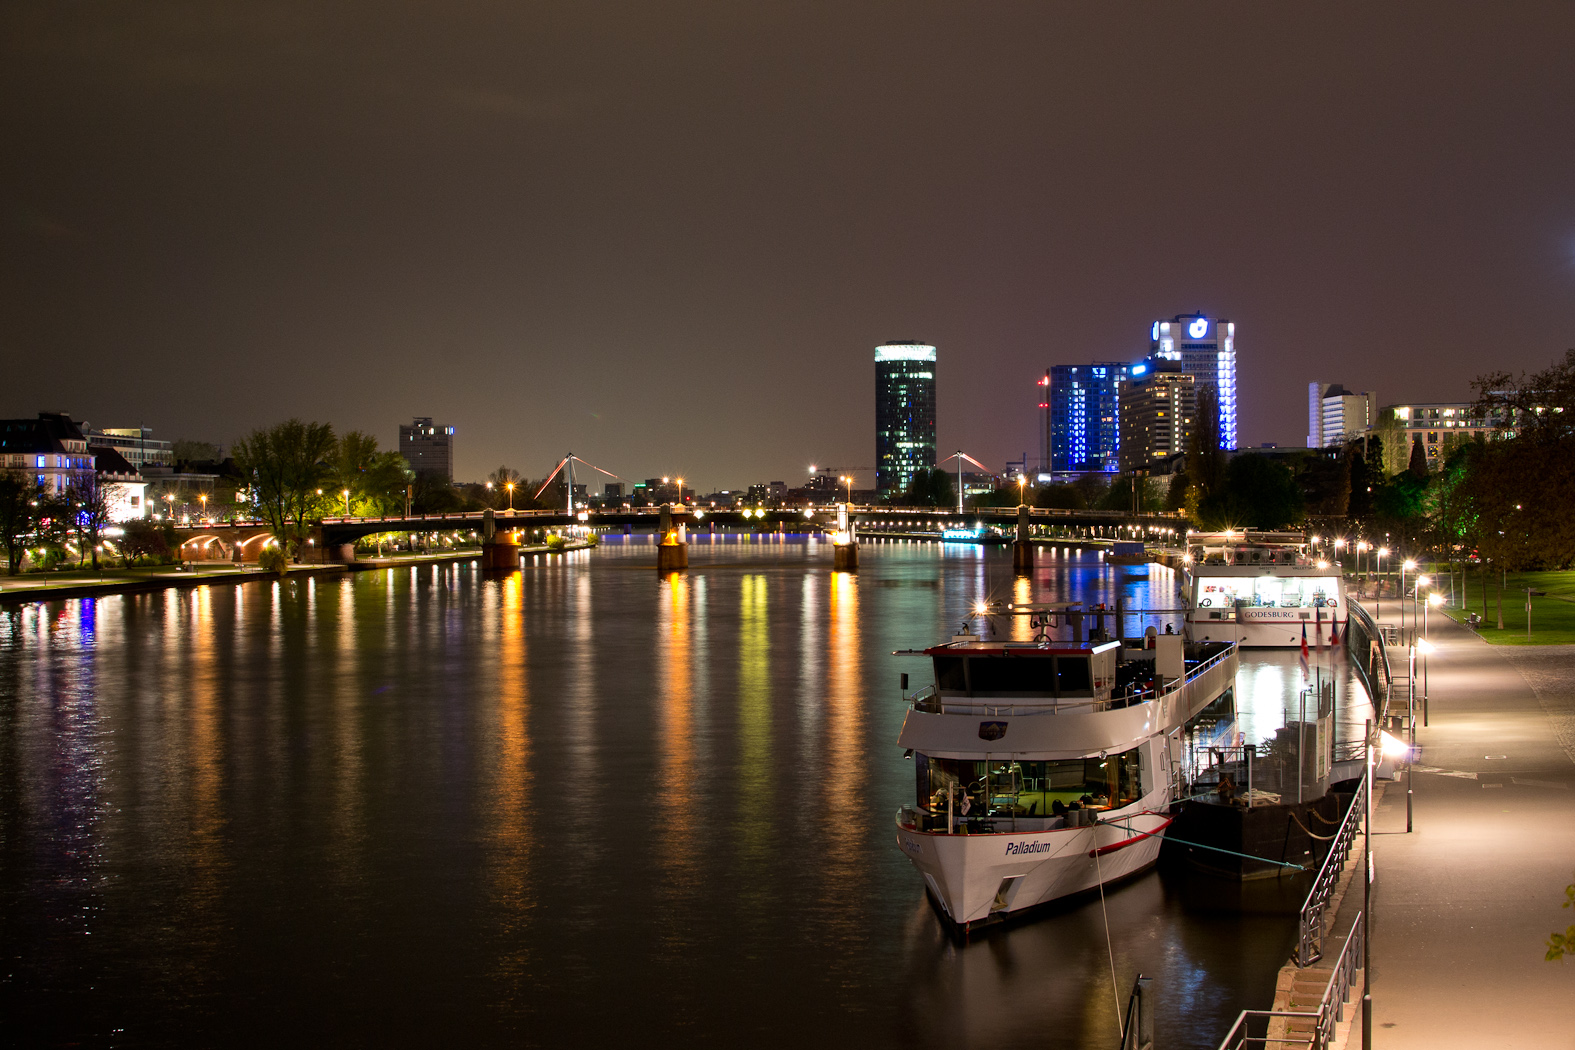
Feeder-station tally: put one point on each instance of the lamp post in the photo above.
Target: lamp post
(204, 498)
(680, 490)
(847, 479)
(510, 487)
(347, 503)
(1381, 553)
(1405, 565)
(1367, 889)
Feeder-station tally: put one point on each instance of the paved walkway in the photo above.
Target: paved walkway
(1464, 904)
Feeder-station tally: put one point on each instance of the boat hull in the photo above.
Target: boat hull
(985, 877)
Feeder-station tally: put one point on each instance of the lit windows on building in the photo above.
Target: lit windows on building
(1081, 420)
(904, 414)
(1206, 348)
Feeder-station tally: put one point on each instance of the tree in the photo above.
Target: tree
(1417, 467)
(286, 464)
(188, 451)
(1205, 461)
(1180, 488)
(19, 502)
(930, 488)
(143, 539)
(88, 502)
(1387, 452)
(1059, 497)
(1562, 944)
(1258, 493)
(375, 480)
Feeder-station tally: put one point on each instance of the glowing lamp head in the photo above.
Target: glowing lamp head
(1435, 599)
(1408, 565)
(1391, 746)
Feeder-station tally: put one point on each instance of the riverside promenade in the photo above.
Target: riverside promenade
(1464, 904)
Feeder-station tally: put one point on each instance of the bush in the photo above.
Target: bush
(272, 559)
(555, 542)
(592, 540)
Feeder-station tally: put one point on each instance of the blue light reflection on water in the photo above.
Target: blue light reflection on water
(419, 802)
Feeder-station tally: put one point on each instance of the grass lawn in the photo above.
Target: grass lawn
(1552, 614)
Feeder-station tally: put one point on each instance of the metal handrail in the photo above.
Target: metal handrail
(1309, 942)
(1330, 1012)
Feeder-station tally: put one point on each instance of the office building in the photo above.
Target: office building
(1206, 350)
(428, 447)
(904, 415)
(1083, 417)
(1158, 409)
(136, 445)
(1335, 415)
(1439, 427)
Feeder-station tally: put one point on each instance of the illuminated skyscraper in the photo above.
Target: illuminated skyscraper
(1158, 406)
(1206, 349)
(1084, 416)
(904, 414)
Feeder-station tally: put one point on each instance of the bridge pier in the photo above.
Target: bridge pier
(845, 544)
(500, 551)
(1022, 547)
(672, 553)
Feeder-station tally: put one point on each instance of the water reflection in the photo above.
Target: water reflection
(416, 802)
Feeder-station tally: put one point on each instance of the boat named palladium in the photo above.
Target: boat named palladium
(1047, 768)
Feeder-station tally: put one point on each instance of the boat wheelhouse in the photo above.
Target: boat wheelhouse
(1261, 590)
(1045, 768)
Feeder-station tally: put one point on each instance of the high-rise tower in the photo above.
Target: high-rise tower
(904, 414)
(1084, 416)
(1206, 348)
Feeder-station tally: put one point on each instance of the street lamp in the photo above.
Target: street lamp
(1408, 564)
(1381, 553)
(510, 487)
(347, 503)
(1361, 546)
(680, 491)
(204, 497)
(848, 480)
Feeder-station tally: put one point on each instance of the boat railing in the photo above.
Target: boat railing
(1313, 1029)
(930, 700)
(1309, 941)
(1373, 671)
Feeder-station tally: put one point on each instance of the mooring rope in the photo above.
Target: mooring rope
(1216, 849)
(1310, 832)
(1099, 876)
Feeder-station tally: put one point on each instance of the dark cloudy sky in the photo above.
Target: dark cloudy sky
(668, 237)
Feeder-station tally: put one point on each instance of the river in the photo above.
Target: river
(421, 806)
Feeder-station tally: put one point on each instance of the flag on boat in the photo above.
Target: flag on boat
(1304, 648)
(1334, 630)
(1317, 628)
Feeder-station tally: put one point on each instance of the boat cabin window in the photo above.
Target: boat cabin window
(1267, 592)
(1014, 675)
(1028, 789)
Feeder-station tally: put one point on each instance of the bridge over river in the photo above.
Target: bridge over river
(333, 538)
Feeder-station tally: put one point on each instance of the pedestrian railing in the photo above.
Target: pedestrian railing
(1361, 632)
(1312, 1029)
(1309, 940)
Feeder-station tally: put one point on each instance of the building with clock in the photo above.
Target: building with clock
(1205, 347)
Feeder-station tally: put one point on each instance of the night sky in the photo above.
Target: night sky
(668, 237)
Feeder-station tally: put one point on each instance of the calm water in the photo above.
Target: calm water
(420, 806)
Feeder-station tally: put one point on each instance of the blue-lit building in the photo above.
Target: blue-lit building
(1206, 349)
(1083, 418)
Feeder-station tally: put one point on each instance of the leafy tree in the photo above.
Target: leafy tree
(1119, 495)
(497, 497)
(930, 488)
(1387, 453)
(188, 451)
(1180, 488)
(1059, 497)
(376, 480)
(1326, 484)
(1562, 944)
(143, 539)
(432, 494)
(1205, 461)
(1093, 487)
(20, 496)
(1359, 479)
(1258, 493)
(286, 464)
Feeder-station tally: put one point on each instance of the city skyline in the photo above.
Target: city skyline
(214, 228)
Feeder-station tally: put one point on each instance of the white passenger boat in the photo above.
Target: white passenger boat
(1261, 589)
(1047, 768)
